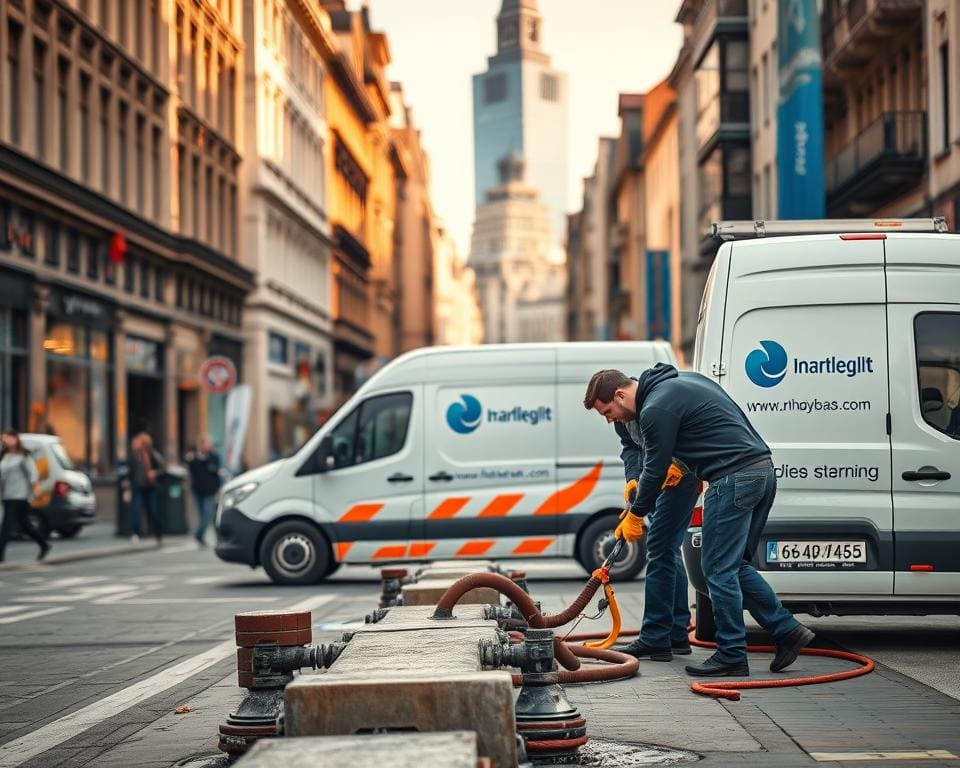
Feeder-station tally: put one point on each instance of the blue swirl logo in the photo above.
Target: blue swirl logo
(766, 367)
(464, 415)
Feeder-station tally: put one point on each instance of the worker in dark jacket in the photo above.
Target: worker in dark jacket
(205, 480)
(686, 416)
(666, 614)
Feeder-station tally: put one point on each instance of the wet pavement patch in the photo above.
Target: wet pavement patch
(597, 753)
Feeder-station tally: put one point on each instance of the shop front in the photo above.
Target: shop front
(15, 292)
(78, 347)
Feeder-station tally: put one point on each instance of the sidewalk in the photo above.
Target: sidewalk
(93, 541)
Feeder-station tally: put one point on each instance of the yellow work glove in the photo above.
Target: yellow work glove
(630, 528)
(629, 492)
(674, 476)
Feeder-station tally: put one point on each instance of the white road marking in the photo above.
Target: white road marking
(149, 579)
(175, 550)
(19, 751)
(64, 583)
(12, 608)
(31, 615)
(927, 754)
(204, 579)
(188, 600)
(80, 594)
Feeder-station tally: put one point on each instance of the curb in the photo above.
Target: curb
(88, 554)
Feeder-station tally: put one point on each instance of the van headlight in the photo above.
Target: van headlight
(235, 495)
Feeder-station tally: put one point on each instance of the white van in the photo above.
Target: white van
(482, 452)
(843, 349)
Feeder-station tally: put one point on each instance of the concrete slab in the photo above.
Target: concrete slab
(429, 592)
(330, 705)
(405, 614)
(450, 650)
(454, 749)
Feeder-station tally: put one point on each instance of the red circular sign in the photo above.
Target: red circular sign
(217, 375)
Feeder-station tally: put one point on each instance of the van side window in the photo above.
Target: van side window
(937, 336)
(377, 428)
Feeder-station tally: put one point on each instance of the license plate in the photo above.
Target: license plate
(813, 552)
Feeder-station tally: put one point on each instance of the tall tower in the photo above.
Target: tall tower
(520, 106)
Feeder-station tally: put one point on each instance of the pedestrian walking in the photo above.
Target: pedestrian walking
(205, 480)
(18, 475)
(688, 417)
(146, 466)
(666, 613)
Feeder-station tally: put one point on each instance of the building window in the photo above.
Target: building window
(208, 187)
(549, 87)
(945, 92)
(122, 114)
(39, 95)
(179, 291)
(765, 91)
(938, 370)
(277, 349)
(73, 252)
(141, 162)
(84, 126)
(495, 88)
(159, 285)
(195, 182)
(93, 260)
(129, 274)
(145, 279)
(13, 80)
(105, 140)
(13, 368)
(63, 119)
(51, 256)
(155, 172)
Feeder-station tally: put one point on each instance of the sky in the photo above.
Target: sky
(604, 46)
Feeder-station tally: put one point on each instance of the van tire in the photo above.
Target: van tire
(332, 568)
(595, 540)
(295, 552)
(705, 628)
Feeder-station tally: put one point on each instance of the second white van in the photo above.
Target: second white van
(481, 452)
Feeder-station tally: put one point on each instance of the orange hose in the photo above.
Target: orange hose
(728, 690)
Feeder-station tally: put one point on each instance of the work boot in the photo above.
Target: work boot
(713, 667)
(789, 648)
(680, 647)
(44, 549)
(640, 650)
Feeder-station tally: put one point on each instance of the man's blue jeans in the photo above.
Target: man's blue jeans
(144, 497)
(666, 613)
(205, 510)
(735, 509)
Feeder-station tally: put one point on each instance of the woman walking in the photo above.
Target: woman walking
(18, 474)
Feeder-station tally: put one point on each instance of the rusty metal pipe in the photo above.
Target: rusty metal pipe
(521, 600)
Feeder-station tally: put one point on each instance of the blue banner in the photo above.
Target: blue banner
(800, 187)
(659, 318)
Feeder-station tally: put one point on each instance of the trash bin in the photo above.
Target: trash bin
(124, 497)
(171, 500)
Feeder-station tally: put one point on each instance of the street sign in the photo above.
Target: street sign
(217, 375)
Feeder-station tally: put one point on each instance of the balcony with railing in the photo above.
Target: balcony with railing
(726, 115)
(885, 160)
(718, 16)
(854, 32)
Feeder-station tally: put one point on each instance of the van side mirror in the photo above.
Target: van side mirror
(326, 459)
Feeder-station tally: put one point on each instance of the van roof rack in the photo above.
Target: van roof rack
(741, 230)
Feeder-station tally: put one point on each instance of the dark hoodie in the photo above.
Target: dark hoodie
(688, 416)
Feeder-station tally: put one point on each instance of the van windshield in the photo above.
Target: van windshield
(701, 317)
(61, 456)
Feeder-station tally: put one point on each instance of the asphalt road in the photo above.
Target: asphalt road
(96, 655)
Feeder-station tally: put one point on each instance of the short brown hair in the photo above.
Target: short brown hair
(602, 386)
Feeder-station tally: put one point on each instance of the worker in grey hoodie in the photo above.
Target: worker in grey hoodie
(18, 473)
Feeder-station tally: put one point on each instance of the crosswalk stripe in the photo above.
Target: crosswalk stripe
(19, 751)
(32, 615)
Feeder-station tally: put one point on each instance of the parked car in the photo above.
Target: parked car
(482, 452)
(65, 502)
(841, 342)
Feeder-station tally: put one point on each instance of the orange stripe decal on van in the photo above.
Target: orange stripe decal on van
(393, 552)
(500, 505)
(567, 498)
(360, 513)
(532, 546)
(421, 548)
(474, 548)
(341, 548)
(448, 508)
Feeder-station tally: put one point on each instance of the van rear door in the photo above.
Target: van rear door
(923, 279)
(490, 455)
(805, 358)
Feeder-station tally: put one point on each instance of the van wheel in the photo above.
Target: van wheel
(597, 540)
(706, 630)
(332, 568)
(295, 553)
